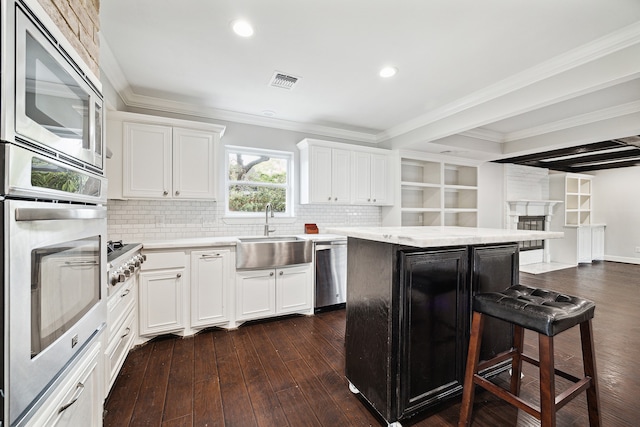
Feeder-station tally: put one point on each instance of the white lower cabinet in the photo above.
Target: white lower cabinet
(78, 401)
(271, 292)
(162, 293)
(211, 279)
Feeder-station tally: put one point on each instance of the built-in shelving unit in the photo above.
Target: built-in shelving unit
(583, 239)
(434, 192)
(577, 200)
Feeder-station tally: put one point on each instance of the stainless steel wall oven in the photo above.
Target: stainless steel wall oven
(53, 197)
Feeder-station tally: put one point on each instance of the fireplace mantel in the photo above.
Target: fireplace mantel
(532, 207)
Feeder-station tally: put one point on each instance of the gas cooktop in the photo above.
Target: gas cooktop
(117, 248)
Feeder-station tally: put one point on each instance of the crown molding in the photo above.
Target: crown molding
(484, 134)
(580, 120)
(598, 49)
(168, 106)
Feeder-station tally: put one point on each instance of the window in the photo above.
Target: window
(256, 177)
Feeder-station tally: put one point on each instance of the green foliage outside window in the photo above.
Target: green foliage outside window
(255, 180)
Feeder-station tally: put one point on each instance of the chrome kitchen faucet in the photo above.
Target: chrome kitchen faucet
(268, 230)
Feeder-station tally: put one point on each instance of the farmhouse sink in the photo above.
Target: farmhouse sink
(272, 251)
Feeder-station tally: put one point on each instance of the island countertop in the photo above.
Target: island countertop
(436, 236)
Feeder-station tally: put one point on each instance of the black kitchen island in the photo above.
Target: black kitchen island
(409, 310)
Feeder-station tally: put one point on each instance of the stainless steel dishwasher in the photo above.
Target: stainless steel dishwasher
(331, 273)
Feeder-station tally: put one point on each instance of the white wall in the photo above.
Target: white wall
(616, 202)
(491, 197)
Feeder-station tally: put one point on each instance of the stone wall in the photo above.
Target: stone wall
(79, 21)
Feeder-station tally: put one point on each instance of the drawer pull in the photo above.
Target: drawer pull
(125, 293)
(74, 399)
(127, 331)
(179, 275)
(209, 256)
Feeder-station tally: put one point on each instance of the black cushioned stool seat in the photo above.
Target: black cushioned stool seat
(548, 313)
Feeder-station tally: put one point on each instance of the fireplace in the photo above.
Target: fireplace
(531, 222)
(531, 215)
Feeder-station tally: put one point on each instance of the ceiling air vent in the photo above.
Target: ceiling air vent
(283, 81)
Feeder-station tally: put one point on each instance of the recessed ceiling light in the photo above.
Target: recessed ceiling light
(387, 72)
(242, 28)
(268, 113)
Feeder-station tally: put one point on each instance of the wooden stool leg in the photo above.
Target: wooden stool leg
(516, 362)
(589, 362)
(472, 366)
(547, 382)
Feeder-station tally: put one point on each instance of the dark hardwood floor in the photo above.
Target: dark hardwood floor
(290, 371)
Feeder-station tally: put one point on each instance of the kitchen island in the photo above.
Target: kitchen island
(409, 295)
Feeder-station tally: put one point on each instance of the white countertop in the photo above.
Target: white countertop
(200, 242)
(424, 237)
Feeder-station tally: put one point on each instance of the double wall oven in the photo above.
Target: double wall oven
(53, 196)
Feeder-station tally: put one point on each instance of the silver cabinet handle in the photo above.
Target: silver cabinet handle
(128, 331)
(209, 256)
(368, 200)
(177, 193)
(282, 273)
(125, 293)
(271, 274)
(329, 198)
(74, 398)
(336, 199)
(374, 200)
(165, 193)
(179, 275)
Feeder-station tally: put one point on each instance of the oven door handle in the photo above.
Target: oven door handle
(44, 214)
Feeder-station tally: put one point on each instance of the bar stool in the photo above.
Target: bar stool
(548, 313)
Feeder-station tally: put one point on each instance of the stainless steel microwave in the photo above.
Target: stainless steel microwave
(57, 109)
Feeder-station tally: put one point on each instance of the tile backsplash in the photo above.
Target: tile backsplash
(144, 220)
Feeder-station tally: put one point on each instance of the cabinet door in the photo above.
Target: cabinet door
(432, 355)
(361, 173)
(597, 242)
(380, 179)
(494, 268)
(293, 289)
(210, 276)
(194, 165)
(161, 301)
(320, 180)
(255, 294)
(584, 244)
(146, 161)
(341, 176)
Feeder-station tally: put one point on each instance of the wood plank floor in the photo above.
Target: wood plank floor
(290, 371)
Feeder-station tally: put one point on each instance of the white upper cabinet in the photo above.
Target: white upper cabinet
(194, 164)
(147, 162)
(371, 179)
(338, 173)
(327, 175)
(159, 158)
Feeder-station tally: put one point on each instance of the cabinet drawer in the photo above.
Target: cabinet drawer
(78, 400)
(164, 260)
(119, 347)
(119, 305)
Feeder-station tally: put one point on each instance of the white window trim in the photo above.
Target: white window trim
(288, 185)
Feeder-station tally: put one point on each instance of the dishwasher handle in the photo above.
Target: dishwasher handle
(323, 246)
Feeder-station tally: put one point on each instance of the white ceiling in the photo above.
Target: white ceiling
(483, 79)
